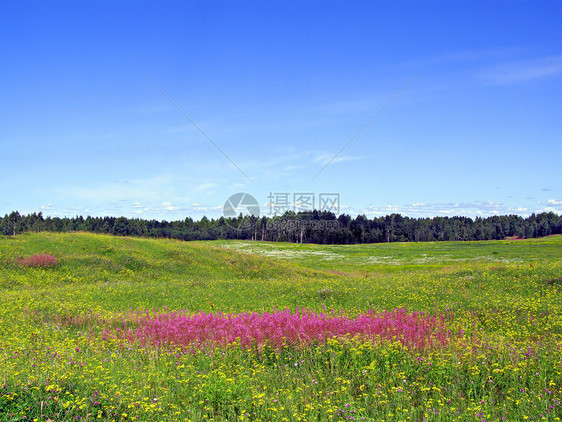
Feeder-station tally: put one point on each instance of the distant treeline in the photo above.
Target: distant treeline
(312, 227)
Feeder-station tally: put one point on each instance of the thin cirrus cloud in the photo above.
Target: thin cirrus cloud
(469, 209)
(462, 57)
(205, 187)
(200, 207)
(523, 71)
(421, 209)
(148, 189)
(168, 206)
(324, 159)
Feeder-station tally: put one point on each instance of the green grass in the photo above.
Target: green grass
(404, 256)
(506, 295)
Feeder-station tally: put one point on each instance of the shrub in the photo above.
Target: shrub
(281, 328)
(39, 260)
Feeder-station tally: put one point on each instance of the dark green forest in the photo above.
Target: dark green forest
(320, 227)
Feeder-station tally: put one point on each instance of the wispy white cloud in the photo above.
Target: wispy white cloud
(523, 71)
(463, 57)
(168, 206)
(211, 211)
(291, 166)
(48, 207)
(200, 207)
(208, 186)
(324, 159)
(381, 210)
(237, 186)
(468, 209)
(149, 189)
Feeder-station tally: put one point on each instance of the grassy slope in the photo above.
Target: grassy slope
(115, 274)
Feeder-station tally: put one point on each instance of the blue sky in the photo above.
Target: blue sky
(280, 88)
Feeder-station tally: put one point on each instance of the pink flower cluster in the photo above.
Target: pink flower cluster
(280, 328)
(41, 260)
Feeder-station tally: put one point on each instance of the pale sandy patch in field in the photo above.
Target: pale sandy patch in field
(282, 253)
(295, 254)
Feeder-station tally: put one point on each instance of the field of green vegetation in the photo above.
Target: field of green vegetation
(122, 329)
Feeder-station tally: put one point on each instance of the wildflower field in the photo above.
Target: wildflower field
(101, 328)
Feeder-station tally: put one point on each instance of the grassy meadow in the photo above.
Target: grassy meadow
(440, 331)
